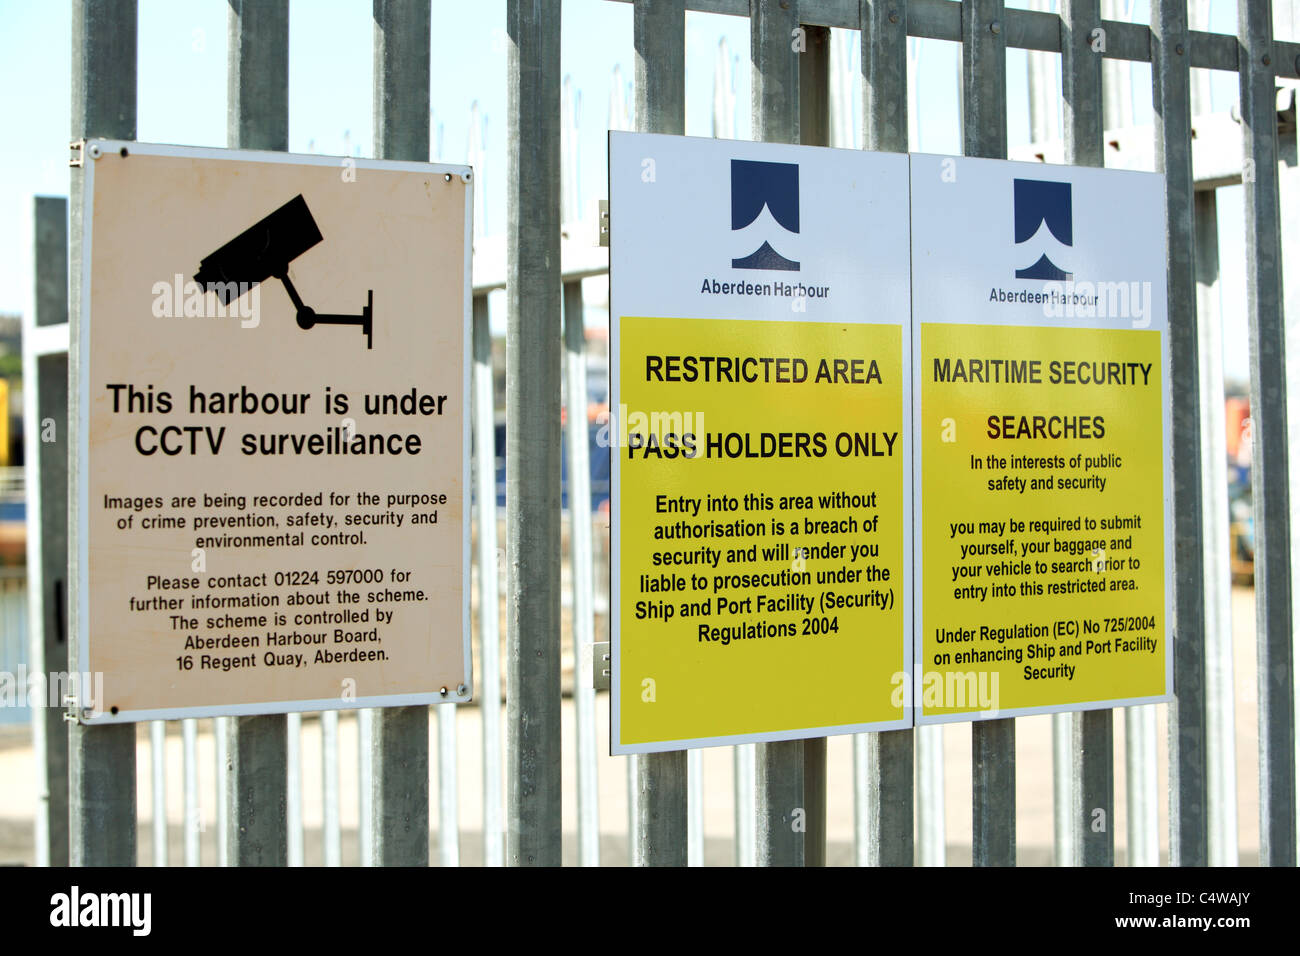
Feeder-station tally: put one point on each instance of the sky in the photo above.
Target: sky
(182, 99)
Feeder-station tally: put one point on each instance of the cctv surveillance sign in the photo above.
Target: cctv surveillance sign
(1044, 514)
(760, 460)
(272, 416)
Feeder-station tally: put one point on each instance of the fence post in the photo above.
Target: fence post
(489, 591)
(815, 130)
(1092, 733)
(888, 756)
(257, 117)
(101, 759)
(534, 798)
(47, 544)
(778, 767)
(984, 133)
(1220, 701)
(583, 580)
(1171, 98)
(1269, 462)
(399, 736)
(658, 793)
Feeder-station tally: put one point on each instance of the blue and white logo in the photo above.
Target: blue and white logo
(756, 186)
(1044, 225)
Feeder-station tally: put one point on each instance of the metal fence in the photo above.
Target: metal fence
(898, 776)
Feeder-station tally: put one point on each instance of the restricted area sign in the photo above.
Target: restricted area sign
(759, 414)
(1042, 447)
(272, 417)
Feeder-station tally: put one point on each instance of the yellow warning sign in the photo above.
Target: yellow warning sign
(761, 487)
(1042, 553)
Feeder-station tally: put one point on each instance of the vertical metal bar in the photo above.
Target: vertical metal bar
(1270, 477)
(399, 806)
(1140, 757)
(695, 807)
(629, 764)
(1092, 769)
(889, 779)
(331, 831)
(1220, 700)
(884, 74)
(779, 778)
(401, 78)
(489, 591)
(293, 787)
(1286, 18)
(257, 78)
(1198, 18)
(863, 805)
(887, 758)
(1063, 792)
(1042, 84)
(46, 439)
(256, 792)
(814, 801)
(660, 780)
(1171, 98)
(221, 778)
(583, 578)
(931, 824)
(448, 784)
(399, 736)
(984, 133)
(257, 100)
(814, 130)
(101, 759)
(193, 821)
(815, 86)
(1117, 84)
(745, 796)
(158, 779)
(533, 434)
(1092, 763)
(365, 788)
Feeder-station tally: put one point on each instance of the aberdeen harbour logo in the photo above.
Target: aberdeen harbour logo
(1044, 234)
(754, 187)
(765, 209)
(1043, 213)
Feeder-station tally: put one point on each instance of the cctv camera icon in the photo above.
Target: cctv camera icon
(263, 251)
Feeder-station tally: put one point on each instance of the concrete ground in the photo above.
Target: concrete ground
(18, 790)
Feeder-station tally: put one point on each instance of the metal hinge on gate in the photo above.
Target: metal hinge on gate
(600, 665)
(604, 222)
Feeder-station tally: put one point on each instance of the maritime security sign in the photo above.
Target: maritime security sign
(1042, 451)
(272, 424)
(761, 485)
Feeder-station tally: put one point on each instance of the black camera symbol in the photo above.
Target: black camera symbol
(264, 250)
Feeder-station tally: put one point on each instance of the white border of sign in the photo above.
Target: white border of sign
(81, 476)
(870, 247)
(1074, 174)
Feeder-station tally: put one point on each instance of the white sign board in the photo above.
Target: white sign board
(760, 465)
(1044, 531)
(272, 417)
